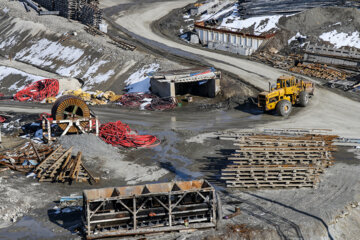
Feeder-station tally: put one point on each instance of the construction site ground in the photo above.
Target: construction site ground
(190, 150)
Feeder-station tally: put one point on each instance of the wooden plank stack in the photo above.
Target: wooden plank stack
(61, 166)
(278, 161)
(320, 71)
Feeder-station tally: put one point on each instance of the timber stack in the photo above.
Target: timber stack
(274, 161)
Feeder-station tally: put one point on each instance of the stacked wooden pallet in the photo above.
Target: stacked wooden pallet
(90, 14)
(61, 166)
(86, 11)
(278, 161)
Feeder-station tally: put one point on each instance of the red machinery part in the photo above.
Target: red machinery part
(119, 134)
(38, 90)
(2, 119)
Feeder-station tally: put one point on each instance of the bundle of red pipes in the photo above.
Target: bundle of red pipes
(157, 103)
(119, 134)
(38, 90)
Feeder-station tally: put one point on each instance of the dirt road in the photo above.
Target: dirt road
(327, 110)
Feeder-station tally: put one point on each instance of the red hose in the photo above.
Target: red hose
(119, 134)
(2, 119)
(38, 90)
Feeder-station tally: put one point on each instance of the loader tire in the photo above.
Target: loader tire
(284, 108)
(303, 99)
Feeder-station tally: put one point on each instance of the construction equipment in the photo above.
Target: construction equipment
(288, 92)
(150, 208)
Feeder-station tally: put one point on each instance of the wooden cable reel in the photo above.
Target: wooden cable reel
(70, 108)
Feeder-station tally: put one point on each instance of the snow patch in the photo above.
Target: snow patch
(261, 24)
(91, 79)
(8, 43)
(206, 17)
(146, 101)
(29, 78)
(295, 37)
(44, 52)
(340, 39)
(140, 81)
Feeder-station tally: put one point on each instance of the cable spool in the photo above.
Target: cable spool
(70, 107)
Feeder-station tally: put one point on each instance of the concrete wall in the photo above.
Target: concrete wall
(235, 43)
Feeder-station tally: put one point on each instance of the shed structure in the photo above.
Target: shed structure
(200, 82)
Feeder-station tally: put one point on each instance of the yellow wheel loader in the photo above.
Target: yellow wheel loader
(288, 92)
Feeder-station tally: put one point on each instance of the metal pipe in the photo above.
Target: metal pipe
(49, 13)
(26, 7)
(31, 4)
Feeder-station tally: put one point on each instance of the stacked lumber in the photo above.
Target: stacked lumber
(278, 161)
(320, 71)
(61, 166)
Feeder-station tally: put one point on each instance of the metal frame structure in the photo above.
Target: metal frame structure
(150, 208)
(76, 122)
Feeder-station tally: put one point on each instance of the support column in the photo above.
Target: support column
(172, 90)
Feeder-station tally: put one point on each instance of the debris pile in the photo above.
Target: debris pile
(320, 71)
(119, 134)
(96, 98)
(146, 101)
(38, 91)
(61, 166)
(48, 162)
(25, 158)
(264, 161)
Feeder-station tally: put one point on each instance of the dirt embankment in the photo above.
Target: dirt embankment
(49, 43)
(313, 23)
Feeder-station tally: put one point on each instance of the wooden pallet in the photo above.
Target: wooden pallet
(278, 161)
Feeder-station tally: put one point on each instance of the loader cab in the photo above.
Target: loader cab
(285, 82)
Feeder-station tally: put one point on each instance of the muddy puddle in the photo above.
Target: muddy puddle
(347, 155)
